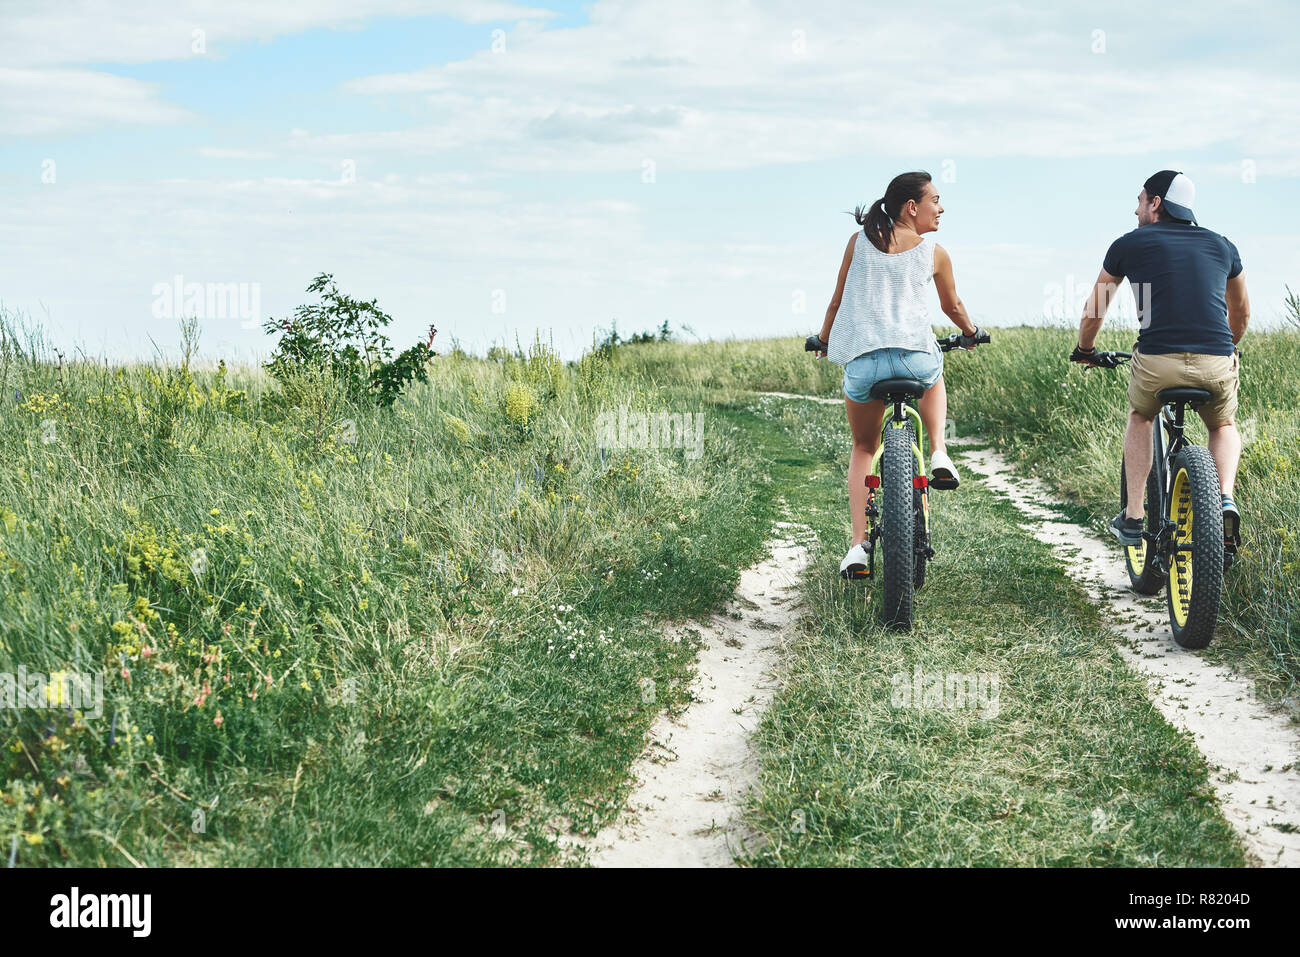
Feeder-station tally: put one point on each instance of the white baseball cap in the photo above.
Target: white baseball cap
(1176, 192)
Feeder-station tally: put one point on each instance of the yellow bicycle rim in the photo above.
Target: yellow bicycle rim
(1180, 571)
(1137, 556)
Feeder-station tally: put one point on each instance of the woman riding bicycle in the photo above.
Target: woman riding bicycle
(878, 327)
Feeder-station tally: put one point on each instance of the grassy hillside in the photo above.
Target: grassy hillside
(334, 635)
(430, 635)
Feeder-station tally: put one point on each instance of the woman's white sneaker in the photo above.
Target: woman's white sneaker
(943, 474)
(855, 563)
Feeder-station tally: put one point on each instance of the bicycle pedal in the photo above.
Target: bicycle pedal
(942, 483)
(856, 575)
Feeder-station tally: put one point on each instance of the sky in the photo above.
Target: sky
(501, 170)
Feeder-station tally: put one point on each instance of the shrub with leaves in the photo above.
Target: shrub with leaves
(344, 337)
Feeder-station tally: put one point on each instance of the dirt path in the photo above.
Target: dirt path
(694, 776)
(1255, 754)
(810, 398)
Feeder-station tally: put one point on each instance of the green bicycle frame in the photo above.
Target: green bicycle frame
(891, 420)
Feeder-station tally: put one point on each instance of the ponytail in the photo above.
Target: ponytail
(877, 220)
(876, 223)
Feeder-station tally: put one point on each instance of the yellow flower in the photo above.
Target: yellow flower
(34, 838)
(518, 403)
(215, 511)
(54, 690)
(458, 428)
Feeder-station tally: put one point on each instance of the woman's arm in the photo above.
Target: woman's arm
(947, 287)
(834, 307)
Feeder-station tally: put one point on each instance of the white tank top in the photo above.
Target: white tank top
(884, 302)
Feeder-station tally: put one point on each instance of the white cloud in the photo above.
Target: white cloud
(44, 102)
(699, 86)
(37, 32)
(37, 37)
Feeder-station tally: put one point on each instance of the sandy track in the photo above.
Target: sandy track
(810, 398)
(693, 778)
(1255, 753)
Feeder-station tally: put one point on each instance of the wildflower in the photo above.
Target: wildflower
(218, 719)
(215, 511)
(146, 652)
(126, 673)
(518, 404)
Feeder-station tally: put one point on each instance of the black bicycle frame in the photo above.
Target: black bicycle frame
(1167, 440)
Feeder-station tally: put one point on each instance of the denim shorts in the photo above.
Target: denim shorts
(871, 367)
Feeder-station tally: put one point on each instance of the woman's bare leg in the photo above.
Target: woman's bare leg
(934, 414)
(864, 422)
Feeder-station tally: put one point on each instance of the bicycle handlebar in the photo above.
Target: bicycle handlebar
(954, 341)
(1104, 360)
(815, 344)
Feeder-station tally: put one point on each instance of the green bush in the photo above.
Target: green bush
(343, 337)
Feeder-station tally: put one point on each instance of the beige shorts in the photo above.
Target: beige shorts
(1216, 374)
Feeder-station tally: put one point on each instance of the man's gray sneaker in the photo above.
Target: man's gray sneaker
(1127, 530)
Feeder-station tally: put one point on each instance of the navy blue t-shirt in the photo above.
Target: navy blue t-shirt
(1186, 269)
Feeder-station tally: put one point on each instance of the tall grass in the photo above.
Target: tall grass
(331, 634)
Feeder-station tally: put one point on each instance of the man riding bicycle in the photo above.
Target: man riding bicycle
(1191, 300)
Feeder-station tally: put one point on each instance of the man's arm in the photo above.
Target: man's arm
(1094, 310)
(834, 307)
(1238, 307)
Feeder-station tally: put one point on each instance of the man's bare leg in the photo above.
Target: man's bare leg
(1225, 448)
(1137, 462)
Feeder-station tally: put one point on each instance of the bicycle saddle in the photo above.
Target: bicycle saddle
(1182, 394)
(913, 388)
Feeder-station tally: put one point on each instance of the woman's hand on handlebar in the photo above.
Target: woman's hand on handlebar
(962, 341)
(816, 344)
(975, 338)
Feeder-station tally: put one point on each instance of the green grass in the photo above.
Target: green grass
(333, 635)
(460, 603)
(1076, 767)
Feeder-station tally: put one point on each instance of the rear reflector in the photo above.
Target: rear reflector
(920, 481)
(873, 481)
